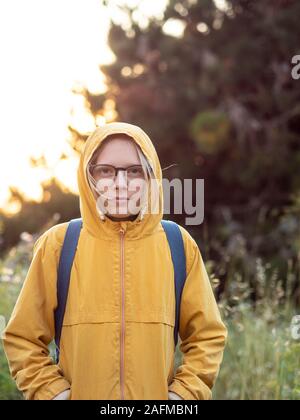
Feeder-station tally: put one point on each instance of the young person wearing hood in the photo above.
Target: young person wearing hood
(117, 340)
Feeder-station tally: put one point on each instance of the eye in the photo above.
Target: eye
(100, 171)
(104, 171)
(107, 171)
(136, 171)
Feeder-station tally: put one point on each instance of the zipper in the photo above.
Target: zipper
(122, 234)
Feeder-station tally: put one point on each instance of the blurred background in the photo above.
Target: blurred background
(214, 84)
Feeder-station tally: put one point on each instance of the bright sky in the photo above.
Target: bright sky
(46, 48)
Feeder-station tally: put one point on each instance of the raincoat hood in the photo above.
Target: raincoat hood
(91, 220)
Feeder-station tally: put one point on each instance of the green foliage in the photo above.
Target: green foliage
(261, 360)
(210, 130)
(8, 390)
(8, 295)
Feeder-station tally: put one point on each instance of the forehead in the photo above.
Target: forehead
(117, 150)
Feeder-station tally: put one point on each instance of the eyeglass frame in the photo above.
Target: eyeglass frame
(116, 168)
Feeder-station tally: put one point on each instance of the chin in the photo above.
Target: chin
(116, 217)
(119, 216)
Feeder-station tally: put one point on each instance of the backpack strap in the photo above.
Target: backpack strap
(63, 276)
(176, 244)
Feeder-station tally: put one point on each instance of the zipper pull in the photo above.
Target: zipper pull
(123, 227)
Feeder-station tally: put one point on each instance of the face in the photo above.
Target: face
(120, 195)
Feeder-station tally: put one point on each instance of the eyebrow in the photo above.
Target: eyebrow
(106, 163)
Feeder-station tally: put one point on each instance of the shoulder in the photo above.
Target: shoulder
(52, 238)
(190, 246)
(187, 237)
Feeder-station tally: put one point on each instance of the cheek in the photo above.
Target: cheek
(137, 188)
(137, 193)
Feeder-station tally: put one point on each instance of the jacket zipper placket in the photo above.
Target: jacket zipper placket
(122, 346)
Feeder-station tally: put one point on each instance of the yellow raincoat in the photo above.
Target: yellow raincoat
(117, 338)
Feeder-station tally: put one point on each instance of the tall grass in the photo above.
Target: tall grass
(261, 358)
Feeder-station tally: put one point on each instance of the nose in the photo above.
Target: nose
(121, 181)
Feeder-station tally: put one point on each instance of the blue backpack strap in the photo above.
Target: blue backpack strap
(176, 244)
(63, 276)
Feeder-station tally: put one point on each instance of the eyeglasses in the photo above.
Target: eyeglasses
(102, 171)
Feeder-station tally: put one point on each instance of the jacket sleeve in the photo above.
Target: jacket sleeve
(31, 328)
(202, 332)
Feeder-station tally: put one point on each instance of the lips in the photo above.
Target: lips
(118, 199)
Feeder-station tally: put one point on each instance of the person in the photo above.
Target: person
(117, 339)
